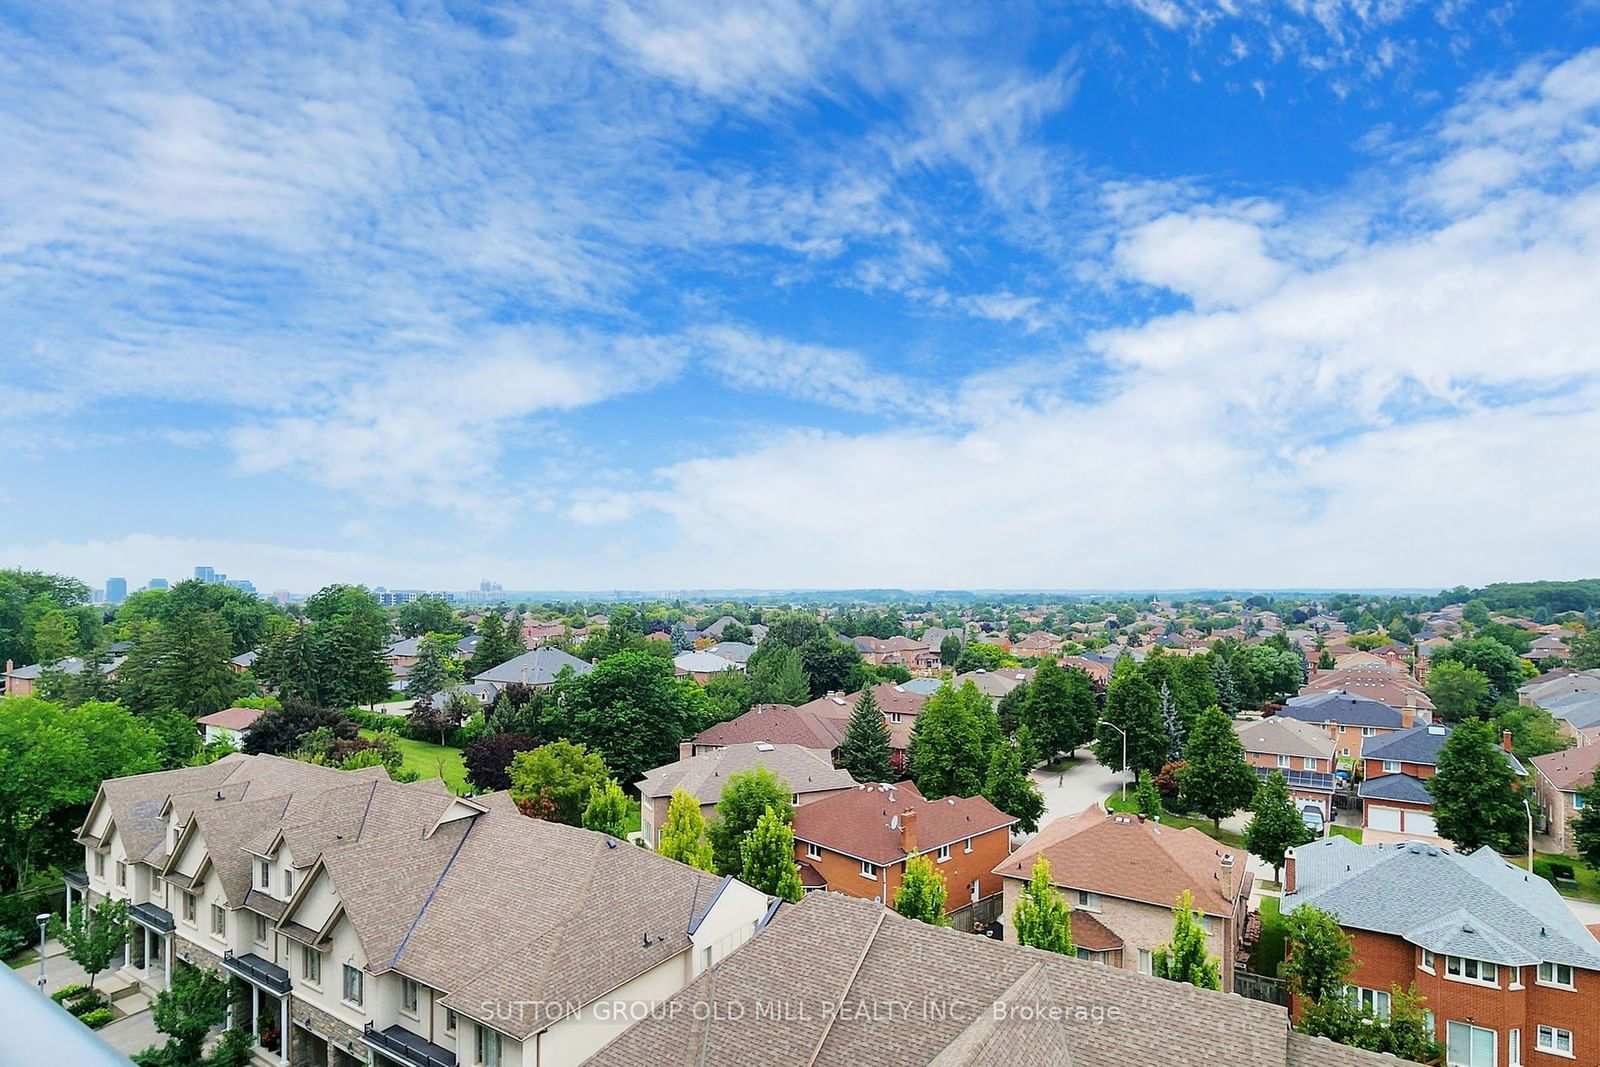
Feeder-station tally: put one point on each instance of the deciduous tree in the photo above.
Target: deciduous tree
(554, 781)
(768, 858)
(746, 795)
(1136, 708)
(1457, 690)
(488, 759)
(92, 936)
(1276, 826)
(607, 811)
(1475, 799)
(1042, 917)
(1060, 709)
(1008, 787)
(948, 753)
(922, 892)
(683, 832)
(1184, 958)
(1216, 781)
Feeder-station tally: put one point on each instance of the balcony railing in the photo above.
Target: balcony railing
(257, 971)
(399, 1043)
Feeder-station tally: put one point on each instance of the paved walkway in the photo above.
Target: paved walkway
(1083, 784)
(128, 1035)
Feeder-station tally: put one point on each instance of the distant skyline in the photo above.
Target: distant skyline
(1141, 294)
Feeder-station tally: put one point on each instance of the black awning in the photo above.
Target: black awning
(148, 915)
(76, 879)
(401, 1044)
(257, 971)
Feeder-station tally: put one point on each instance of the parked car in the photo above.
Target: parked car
(1313, 819)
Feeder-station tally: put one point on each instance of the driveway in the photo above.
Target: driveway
(1083, 784)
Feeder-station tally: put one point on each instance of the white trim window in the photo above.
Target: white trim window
(1470, 1046)
(813, 852)
(1391, 766)
(869, 870)
(266, 875)
(219, 920)
(1466, 969)
(1427, 961)
(1373, 1000)
(1556, 974)
(1514, 1047)
(408, 995)
(1553, 1039)
(1308, 763)
(189, 908)
(488, 1047)
(122, 873)
(1088, 901)
(944, 854)
(354, 985)
(968, 847)
(1147, 963)
(99, 864)
(449, 1021)
(288, 882)
(310, 965)
(261, 929)
(1369, 731)
(1284, 761)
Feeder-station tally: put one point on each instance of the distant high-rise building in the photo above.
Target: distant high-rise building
(486, 586)
(116, 590)
(205, 574)
(244, 585)
(280, 596)
(156, 583)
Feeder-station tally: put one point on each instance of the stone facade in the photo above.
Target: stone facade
(342, 1039)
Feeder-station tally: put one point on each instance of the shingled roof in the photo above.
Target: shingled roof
(778, 724)
(805, 770)
(879, 988)
(865, 822)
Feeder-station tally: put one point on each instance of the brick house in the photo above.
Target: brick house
(1394, 797)
(1510, 976)
(900, 707)
(1301, 752)
(1123, 875)
(776, 724)
(1559, 781)
(1351, 719)
(857, 842)
(809, 773)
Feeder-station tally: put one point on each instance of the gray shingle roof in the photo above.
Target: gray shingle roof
(1420, 744)
(829, 971)
(1403, 787)
(806, 770)
(1477, 905)
(538, 667)
(1344, 708)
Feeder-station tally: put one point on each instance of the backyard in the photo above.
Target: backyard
(1268, 953)
(1584, 885)
(432, 761)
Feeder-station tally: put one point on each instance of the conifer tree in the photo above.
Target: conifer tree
(864, 751)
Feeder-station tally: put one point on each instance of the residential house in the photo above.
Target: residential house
(737, 651)
(24, 681)
(1554, 684)
(701, 666)
(402, 654)
(857, 842)
(1123, 875)
(898, 650)
(1037, 643)
(229, 724)
(809, 773)
(1559, 781)
(1394, 688)
(837, 982)
(934, 636)
(714, 631)
(539, 667)
(1096, 666)
(1547, 649)
(1509, 975)
(536, 633)
(240, 663)
(1574, 712)
(996, 683)
(1304, 754)
(776, 724)
(1395, 767)
(1352, 720)
(899, 704)
(379, 923)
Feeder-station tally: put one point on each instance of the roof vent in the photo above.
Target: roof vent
(1227, 859)
(1437, 731)
(611, 842)
(219, 794)
(762, 746)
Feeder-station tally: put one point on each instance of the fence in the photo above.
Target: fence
(975, 916)
(1260, 987)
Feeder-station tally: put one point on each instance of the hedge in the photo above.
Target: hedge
(94, 1020)
(73, 991)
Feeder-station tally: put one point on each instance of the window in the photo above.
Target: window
(1308, 763)
(1469, 1046)
(122, 873)
(219, 920)
(1553, 1039)
(99, 864)
(1374, 1000)
(1369, 731)
(1088, 901)
(1284, 761)
(488, 1047)
(449, 1021)
(1146, 964)
(353, 984)
(188, 907)
(813, 852)
(968, 847)
(261, 929)
(1555, 974)
(408, 995)
(1577, 801)
(288, 881)
(894, 716)
(944, 853)
(1469, 970)
(1514, 1048)
(868, 870)
(310, 964)
(1427, 961)
(1391, 766)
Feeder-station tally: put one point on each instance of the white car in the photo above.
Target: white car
(1314, 819)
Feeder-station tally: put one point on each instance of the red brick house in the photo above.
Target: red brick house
(857, 842)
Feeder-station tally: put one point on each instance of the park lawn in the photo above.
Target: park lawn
(1352, 832)
(1588, 887)
(432, 761)
(1115, 802)
(1268, 953)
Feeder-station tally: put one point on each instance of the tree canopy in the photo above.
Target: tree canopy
(746, 795)
(865, 748)
(555, 781)
(1135, 707)
(1276, 826)
(948, 753)
(1060, 709)
(683, 832)
(1215, 780)
(1184, 957)
(922, 892)
(1042, 917)
(1475, 796)
(768, 862)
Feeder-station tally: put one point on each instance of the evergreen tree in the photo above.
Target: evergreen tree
(1042, 917)
(1222, 680)
(608, 810)
(1475, 797)
(496, 643)
(195, 672)
(678, 639)
(1148, 797)
(922, 892)
(683, 834)
(769, 863)
(865, 749)
(1276, 826)
(1176, 734)
(1216, 781)
(1008, 787)
(778, 678)
(435, 669)
(746, 796)
(1184, 958)
(1135, 707)
(950, 742)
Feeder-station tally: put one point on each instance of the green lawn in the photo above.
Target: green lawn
(1114, 802)
(432, 761)
(1588, 880)
(1352, 832)
(1268, 952)
(635, 823)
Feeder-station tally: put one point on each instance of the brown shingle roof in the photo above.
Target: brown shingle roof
(876, 988)
(1283, 736)
(1571, 769)
(806, 770)
(1090, 933)
(779, 724)
(231, 718)
(1121, 856)
(864, 822)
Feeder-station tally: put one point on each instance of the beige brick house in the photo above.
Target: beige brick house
(809, 773)
(1559, 781)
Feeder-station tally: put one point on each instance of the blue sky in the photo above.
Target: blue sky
(715, 294)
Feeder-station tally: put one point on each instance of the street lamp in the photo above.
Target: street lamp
(1124, 734)
(1529, 810)
(43, 920)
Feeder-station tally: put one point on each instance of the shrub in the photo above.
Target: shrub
(69, 991)
(1554, 870)
(85, 999)
(232, 1050)
(95, 1019)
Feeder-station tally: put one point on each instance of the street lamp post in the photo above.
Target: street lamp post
(1529, 810)
(1124, 734)
(43, 920)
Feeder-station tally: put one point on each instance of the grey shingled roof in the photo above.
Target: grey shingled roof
(805, 770)
(1403, 787)
(1420, 744)
(1477, 905)
(1347, 709)
(538, 667)
(858, 959)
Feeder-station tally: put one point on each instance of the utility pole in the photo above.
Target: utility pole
(1124, 734)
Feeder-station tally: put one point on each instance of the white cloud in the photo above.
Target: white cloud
(1215, 261)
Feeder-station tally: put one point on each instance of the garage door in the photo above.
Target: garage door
(1383, 818)
(1420, 822)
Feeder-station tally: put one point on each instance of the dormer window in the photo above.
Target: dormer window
(266, 875)
(288, 881)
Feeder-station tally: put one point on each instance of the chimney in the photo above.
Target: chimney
(1288, 873)
(908, 831)
(1505, 740)
(685, 749)
(1408, 714)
